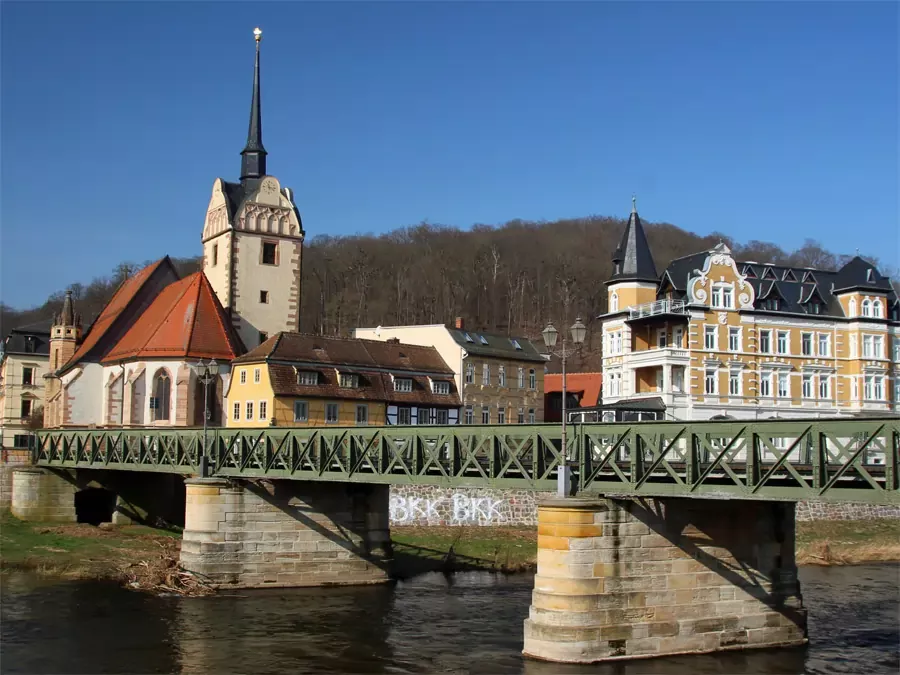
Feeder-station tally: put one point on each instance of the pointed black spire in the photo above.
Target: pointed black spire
(632, 260)
(253, 156)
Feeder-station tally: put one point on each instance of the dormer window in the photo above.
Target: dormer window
(308, 377)
(870, 276)
(769, 273)
(349, 380)
(403, 384)
(468, 338)
(772, 304)
(440, 387)
(515, 343)
(788, 276)
(814, 307)
(483, 339)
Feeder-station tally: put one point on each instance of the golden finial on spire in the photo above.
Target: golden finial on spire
(257, 33)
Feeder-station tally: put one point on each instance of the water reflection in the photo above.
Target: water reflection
(468, 623)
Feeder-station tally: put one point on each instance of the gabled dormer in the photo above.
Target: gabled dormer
(769, 273)
(771, 298)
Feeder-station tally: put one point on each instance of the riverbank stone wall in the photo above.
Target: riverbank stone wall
(622, 579)
(432, 505)
(286, 533)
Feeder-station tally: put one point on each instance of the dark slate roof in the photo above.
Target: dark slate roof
(31, 339)
(497, 346)
(351, 353)
(632, 260)
(237, 193)
(794, 285)
(373, 386)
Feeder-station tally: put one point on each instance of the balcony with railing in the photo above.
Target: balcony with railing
(658, 308)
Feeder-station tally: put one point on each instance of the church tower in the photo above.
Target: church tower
(65, 334)
(253, 240)
(634, 280)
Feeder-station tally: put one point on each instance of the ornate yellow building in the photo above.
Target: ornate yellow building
(714, 337)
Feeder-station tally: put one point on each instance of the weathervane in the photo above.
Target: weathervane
(633, 203)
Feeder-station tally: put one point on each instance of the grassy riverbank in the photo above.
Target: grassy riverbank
(146, 558)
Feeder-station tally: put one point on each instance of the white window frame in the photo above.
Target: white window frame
(243, 376)
(734, 382)
(301, 411)
(485, 374)
(711, 381)
(248, 410)
(485, 414)
(440, 386)
(469, 414)
(824, 344)
(403, 384)
(662, 338)
(470, 373)
(531, 416)
(349, 380)
(532, 379)
(501, 376)
(678, 338)
(722, 296)
(521, 377)
(806, 386)
(783, 342)
(734, 339)
(520, 417)
(784, 385)
(501, 414)
(263, 410)
(710, 337)
(765, 336)
(765, 385)
(807, 344)
(866, 307)
(825, 386)
(256, 375)
(877, 311)
(308, 377)
(613, 302)
(236, 411)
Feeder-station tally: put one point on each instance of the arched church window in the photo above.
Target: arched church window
(866, 307)
(161, 399)
(876, 308)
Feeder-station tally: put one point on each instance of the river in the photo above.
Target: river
(468, 623)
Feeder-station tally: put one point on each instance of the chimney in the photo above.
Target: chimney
(460, 324)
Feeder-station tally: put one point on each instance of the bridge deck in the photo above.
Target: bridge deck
(836, 460)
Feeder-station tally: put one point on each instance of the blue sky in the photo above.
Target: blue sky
(773, 121)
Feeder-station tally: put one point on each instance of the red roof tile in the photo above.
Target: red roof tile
(588, 384)
(123, 296)
(186, 320)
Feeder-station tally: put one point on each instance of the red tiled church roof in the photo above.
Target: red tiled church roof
(120, 300)
(186, 320)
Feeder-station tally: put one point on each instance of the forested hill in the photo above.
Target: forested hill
(510, 278)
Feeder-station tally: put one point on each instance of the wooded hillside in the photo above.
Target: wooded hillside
(510, 278)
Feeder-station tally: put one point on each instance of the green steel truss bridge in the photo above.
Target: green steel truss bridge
(836, 460)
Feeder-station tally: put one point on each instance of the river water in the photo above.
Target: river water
(468, 623)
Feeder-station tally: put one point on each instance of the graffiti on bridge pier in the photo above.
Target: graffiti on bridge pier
(457, 509)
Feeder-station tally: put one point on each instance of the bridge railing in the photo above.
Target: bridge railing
(847, 460)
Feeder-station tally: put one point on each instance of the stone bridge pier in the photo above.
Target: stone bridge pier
(96, 496)
(622, 579)
(264, 533)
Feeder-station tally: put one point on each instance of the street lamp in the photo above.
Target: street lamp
(550, 334)
(207, 373)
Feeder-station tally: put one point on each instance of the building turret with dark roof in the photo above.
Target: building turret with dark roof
(634, 280)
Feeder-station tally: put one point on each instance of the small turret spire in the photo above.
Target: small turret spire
(253, 156)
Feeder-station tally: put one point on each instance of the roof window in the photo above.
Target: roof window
(483, 339)
(468, 337)
(515, 343)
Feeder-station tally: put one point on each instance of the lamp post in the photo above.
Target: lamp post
(550, 334)
(207, 373)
